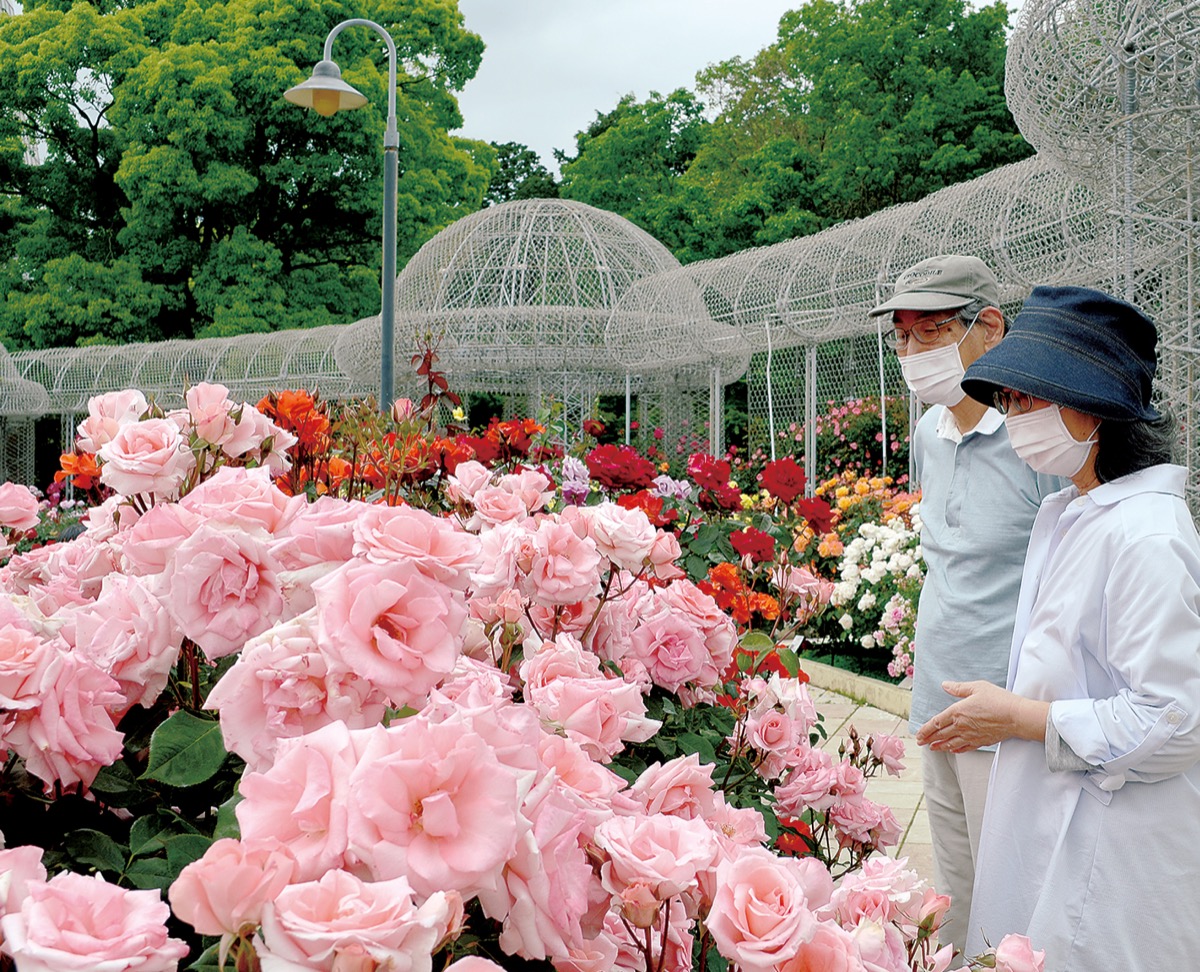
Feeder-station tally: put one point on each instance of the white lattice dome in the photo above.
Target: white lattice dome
(515, 291)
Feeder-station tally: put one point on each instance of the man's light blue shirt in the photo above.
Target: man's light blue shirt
(978, 503)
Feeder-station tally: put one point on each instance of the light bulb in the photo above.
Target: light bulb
(325, 102)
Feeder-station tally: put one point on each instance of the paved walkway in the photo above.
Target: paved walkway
(904, 794)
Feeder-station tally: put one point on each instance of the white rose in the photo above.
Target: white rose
(846, 621)
(867, 601)
(868, 641)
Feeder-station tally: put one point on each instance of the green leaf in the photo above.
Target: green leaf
(210, 960)
(185, 848)
(148, 835)
(692, 742)
(117, 786)
(227, 822)
(697, 567)
(96, 850)
(149, 872)
(757, 641)
(706, 537)
(185, 750)
(790, 661)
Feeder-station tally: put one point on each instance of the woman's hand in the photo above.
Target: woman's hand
(987, 714)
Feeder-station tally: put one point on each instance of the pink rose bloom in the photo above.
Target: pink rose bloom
(629, 956)
(682, 787)
(252, 432)
(391, 625)
(20, 867)
(562, 658)
(564, 567)
(809, 785)
(223, 588)
(129, 634)
(153, 540)
(505, 554)
(342, 922)
(495, 505)
(880, 946)
(321, 532)
(70, 735)
(736, 827)
(149, 458)
(282, 686)
(109, 520)
(663, 853)
(664, 554)
(848, 780)
(831, 949)
(107, 413)
(720, 633)
(881, 890)
(208, 407)
(431, 802)
(468, 479)
(673, 649)
(590, 785)
(774, 732)
(226, 889)
(762, 911)
(25, 658)
(245, 498)
(474, 963)
(862, 821)
(302, 800)
(18, 507)
(625, 537)
(532, 487)
(889, 750)
(544, 889)
(474, 684)
(1015, 954)
(612, 634)
(430, 543)
(82, 923)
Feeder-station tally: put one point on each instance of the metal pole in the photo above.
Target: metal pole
(391, 151)
(627, 404)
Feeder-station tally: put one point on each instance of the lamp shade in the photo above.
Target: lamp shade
(325, 91)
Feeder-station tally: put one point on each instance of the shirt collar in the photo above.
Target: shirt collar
(1164, 478)
(947, 427)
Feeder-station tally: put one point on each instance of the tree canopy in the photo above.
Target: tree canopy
(154, 183)
(519, 175)
(857, 105)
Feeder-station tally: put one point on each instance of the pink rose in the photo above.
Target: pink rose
(20, 867)
(107, 413)
(564, 567)
(625, 537)
(226, 889)
(24, 660)
(600, 714)
(682, 787)
(70, 735)
(859, 820)
(149, 458)
(18, 508)
(223, 588)
(474, 963)
(889, 750)
(831, 949)
(302, 799)
(430, 543)
(881, 890)
(809, 784)
(431, 802)
(392, 625)
(664, 554)
(245, 498)
(254, 430)
(761, 913)
(82, 923)
(720, 633)
(129, 634)
(591, 785)
(1015, 954)
(468, 479)
(153, 540)
(880, 946)
(736, 827)
(672, 648)
(321, 532)
(663, 853)
(342, 922)
(774, 732)
(109, 520)
(282, 686)
(208, 407)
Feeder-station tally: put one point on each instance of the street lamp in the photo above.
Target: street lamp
(325, 92)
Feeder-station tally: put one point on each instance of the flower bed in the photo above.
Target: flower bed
(351, 699)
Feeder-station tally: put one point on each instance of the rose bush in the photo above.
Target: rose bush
(344, 732)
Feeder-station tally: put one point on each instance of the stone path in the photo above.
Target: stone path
(904, 794)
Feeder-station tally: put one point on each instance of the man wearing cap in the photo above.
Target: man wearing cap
(978, 503)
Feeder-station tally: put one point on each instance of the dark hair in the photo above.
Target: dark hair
(966, 315)
(1126, 447)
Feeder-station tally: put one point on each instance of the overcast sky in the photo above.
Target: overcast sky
(550, 65)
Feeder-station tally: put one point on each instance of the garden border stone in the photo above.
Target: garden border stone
(881, 695)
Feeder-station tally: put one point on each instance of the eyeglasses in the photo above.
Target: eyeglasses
(923, 332)
(1006, 400)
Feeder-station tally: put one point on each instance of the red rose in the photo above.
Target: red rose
(620, 467)
(593, 428)
(818, 513)
(783, 479)
(755, 544)
(709, 473)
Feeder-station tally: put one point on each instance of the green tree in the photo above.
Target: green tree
(519, 175)
(631, 159)
(154, 183)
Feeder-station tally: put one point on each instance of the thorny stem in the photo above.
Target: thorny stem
(662, 943)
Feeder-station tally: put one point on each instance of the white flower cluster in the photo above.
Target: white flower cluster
(879, 550)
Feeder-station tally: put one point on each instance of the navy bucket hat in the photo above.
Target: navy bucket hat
(1077, 347)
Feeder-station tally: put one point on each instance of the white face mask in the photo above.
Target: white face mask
(935, 376)
(1044, 442)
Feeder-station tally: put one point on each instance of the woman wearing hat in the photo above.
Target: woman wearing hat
(1091, 837)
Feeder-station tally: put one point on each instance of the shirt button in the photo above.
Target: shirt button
(1174, 718)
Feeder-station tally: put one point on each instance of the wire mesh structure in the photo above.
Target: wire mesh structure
(553, 299)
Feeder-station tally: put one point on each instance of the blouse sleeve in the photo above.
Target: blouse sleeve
(1150, 729)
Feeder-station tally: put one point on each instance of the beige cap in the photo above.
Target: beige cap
(944, 282)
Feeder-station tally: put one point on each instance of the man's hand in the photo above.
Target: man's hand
(987, 714)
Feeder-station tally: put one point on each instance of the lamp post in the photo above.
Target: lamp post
(326, 92)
